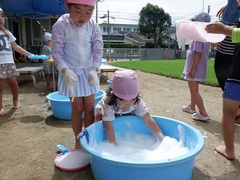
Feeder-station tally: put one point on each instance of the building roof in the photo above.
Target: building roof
(135, 37)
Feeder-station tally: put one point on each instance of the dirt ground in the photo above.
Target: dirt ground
(28, 136)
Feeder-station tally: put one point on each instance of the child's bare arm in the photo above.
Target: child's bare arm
(109, 131)
(19, 49)
(151, 123)
(196, 59)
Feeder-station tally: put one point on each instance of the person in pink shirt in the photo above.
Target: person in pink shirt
(77, 50)
(123, 98)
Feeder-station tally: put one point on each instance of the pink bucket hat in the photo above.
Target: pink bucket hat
(125, 84)
(85, 2)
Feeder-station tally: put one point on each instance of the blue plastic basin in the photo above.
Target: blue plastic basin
(61, 107)
(104, 61)
(106, 168)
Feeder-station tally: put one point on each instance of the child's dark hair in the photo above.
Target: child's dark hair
(112, 99)
(3, 28)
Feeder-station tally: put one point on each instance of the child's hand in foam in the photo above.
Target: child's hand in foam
(159, 136)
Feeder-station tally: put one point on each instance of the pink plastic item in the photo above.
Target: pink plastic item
(73, 160)
(125, 84)
(86, 2)
(192, 30)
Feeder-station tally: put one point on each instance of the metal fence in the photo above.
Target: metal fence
(146, 54)
(122, 53)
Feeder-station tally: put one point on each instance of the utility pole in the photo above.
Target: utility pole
(209, 9)
(108, 30)
(97, 11)
(108, 26)
(203, 6)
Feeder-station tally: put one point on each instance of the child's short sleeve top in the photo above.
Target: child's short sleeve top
(46, 51)
(6, 48)
(201, 69)
(231, 13)
(109, 112)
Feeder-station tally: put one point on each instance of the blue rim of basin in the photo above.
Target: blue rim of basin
(165, 162)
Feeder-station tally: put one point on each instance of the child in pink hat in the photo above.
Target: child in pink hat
(77, 50)
(123, 98)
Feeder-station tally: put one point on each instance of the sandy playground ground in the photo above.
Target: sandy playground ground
(28, 136)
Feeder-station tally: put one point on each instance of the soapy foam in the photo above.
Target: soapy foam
(136, 147)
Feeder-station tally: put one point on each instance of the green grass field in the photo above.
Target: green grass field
(168, 68)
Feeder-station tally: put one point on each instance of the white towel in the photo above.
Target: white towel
(193, 30)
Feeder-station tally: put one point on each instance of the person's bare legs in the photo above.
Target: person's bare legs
(48, 80)
(196, 98)
(88, 110)
(237, 118)
(192, 104)
(79, 105)
(76, 118)
(2, 112)
(12, 83)
(230, 109)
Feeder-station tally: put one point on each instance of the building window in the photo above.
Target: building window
(105, 29)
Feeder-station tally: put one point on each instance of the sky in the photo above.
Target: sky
(127, 11)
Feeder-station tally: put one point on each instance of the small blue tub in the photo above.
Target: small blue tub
(104, 61)
(107, 168)
(61, 106)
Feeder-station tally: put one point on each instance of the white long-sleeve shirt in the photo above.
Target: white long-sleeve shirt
(76, 47)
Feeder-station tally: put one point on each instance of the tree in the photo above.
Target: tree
(153, 21)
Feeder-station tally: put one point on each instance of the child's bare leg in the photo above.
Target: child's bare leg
(89, 110)
(2, 112)
(12, 83)
(48, 79)
(230, 108)
(193, 102)
(196, 97)
(76, 120)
